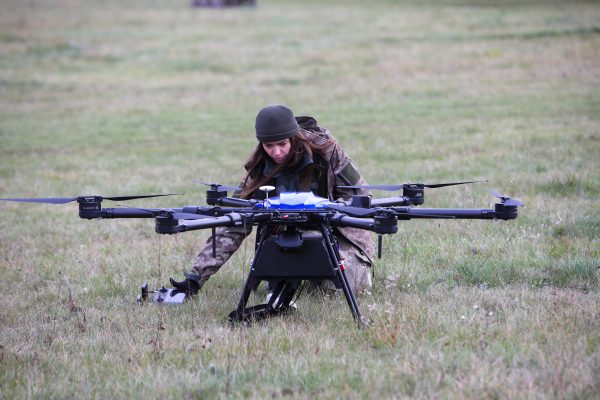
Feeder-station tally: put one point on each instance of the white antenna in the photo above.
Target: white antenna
(266, 189)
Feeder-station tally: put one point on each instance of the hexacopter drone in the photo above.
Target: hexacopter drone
(295, 240)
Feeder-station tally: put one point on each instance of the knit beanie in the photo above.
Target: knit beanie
(274, 123)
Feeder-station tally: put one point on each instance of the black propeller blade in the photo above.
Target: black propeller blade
(123, 198)
(49, 200)
(392, 188)
(389, 188)
(439, 185)
(218, 187)
(506, 200)
(64, 200)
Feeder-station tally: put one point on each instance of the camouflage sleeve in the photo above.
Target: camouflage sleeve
(343, 172)
(228, 240)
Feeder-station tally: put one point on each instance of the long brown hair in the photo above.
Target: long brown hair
(300, 144)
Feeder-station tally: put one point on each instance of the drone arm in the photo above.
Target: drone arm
(391, 201)
(234, 202)
(345, 221)
(126, 213)
(501, 212)
(381, 224)
(232, 219)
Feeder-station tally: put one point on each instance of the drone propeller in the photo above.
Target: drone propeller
(392, 188)
(64, 200)
(506, 200)
(218, 187)
(439, 185)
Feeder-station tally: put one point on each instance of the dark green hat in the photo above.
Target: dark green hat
(274, 123)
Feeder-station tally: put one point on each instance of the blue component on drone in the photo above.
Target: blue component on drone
(295, 200)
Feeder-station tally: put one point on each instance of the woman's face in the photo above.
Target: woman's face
(278, 150)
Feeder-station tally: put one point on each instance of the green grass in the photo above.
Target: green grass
(136, 97)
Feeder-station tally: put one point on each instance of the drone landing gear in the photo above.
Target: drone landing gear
(161, 296)
(280, 301)
(285, 260)
(257, 313)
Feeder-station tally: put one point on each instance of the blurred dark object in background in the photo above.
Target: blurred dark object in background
(222, 3)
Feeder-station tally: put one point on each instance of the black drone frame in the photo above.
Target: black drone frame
(293, 244)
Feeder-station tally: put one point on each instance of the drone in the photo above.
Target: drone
(295, 239)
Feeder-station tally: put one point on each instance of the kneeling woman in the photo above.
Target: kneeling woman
(293, 155)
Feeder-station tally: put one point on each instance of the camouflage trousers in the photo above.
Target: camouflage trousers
(357, 268)
(356, 265)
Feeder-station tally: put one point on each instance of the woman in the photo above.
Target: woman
(292, 159)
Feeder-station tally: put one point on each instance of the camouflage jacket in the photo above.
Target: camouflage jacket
(340, 172)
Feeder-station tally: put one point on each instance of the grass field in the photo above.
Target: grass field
(127, 97)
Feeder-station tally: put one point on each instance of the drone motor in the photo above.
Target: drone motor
(89, 207)
(505, 211)
(213, 196)
(166, 223)
(415, 192)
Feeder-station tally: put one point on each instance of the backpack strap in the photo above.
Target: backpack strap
(320, 165)
(319, 184)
